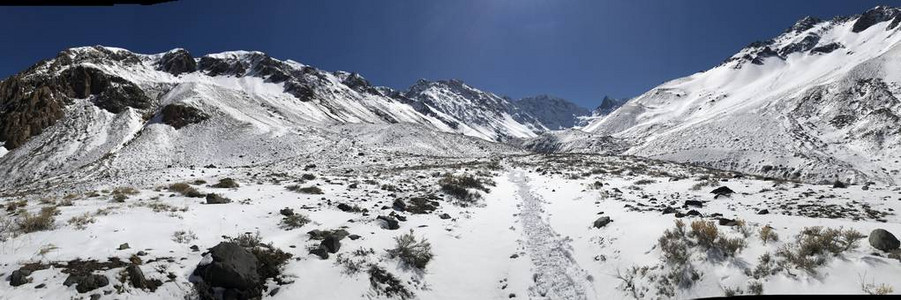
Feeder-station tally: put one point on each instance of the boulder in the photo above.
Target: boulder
(444, 216)
(19, 277)
(399, 205)
(86, 283)
(694, 203)
(216, 199)
(345, 208)
(602, 221)
(317, 234)
(320, 251)
(136, 277)
(286, 212)
(839, 185)
(332, 243)
(727, 222)
(389, 222)
(883, 240)
(763, 211)
(722, 191)
(231, 267)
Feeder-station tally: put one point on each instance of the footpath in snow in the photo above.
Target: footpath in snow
(556, 273)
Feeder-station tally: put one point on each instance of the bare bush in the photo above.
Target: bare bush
(305, 190)
(814, 244)
(43, 220)
(768, 235)
(294, 221)
(226, 183)
(185, 190)
(183, 237)
(412, 252)
(81, 222)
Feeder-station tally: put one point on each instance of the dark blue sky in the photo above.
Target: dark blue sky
(579, 50)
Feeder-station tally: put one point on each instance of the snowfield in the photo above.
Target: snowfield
(531, 235)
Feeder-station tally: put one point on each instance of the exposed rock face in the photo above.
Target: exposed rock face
(26, 111)
(34, 100)
(553, 112)
(804, 24)
(807, 43)
(357, 82)
(177, 62)
(110, 92)
(298, 82)
(875, 16)
(178, 116)
(828, 48)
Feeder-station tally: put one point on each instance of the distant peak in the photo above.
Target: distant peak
(235, 54)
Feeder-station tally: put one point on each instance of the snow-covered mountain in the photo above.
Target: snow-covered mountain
(817, 103)
(607, 106)
(554, 112)
(106, 110)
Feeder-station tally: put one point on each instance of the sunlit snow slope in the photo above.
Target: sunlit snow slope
(103, 111)
(817, 103)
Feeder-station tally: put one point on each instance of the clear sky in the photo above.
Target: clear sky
(576, 49)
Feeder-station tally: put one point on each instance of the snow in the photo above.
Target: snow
(543, 218)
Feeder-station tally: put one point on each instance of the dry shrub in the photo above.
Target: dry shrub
(185, 190)
(412, 252)
(43, 220)
(768, 235)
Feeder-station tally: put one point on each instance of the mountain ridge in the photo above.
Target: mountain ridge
(815, 103)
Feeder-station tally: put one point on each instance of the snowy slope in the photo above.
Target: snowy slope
(816, 103)
(473, 112)
(108, 110)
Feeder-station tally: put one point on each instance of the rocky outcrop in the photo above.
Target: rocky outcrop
(299, 82)
(178, 116)
(875, 16)
(32, 101)
(86, 283)
(26, 110)
(109, 92)
(177, 62)
(828, 48)
(804, 24)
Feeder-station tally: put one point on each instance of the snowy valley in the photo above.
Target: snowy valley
(236, 175)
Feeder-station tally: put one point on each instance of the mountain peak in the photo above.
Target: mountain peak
(804, 24)
(877, 15)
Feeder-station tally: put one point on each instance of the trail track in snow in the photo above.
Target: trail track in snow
(556, 275)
